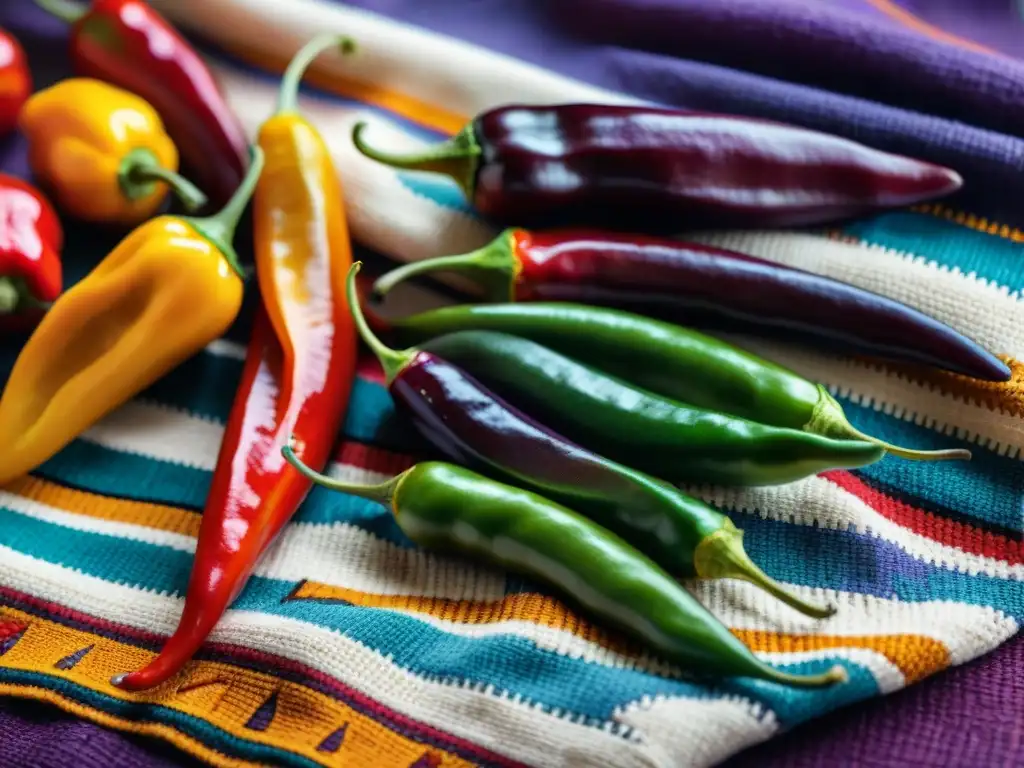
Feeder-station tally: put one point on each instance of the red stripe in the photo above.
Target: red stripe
(966, 538)
(263, 662)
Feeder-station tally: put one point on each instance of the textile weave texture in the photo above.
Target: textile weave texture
(351, 646)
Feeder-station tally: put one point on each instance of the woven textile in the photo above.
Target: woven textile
(350, 646)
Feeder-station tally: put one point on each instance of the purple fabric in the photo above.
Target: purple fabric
(838, 65)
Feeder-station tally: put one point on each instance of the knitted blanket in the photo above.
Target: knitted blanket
(351, 646)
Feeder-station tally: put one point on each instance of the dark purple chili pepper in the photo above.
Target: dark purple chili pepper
(472, 427)
(651, 169)
(712, 288)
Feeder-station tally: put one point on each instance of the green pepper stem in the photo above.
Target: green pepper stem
(721, 556)
(494, 267)
(829, 420)
(391, 360)
(836, 674)
(140, 171)
(219, 229)
(288, 96)
(10, 296)
(65, 10)
(457, 158)
(382, 493)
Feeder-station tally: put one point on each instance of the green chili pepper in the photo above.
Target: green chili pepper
(445, 507)
(667, 359)
(655, 434)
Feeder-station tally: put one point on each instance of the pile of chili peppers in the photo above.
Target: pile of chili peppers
(563, 413)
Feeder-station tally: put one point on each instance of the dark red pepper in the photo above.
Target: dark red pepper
(128, 44)
(15, 82)
(31, 240)
(709, 287)
(659, 170)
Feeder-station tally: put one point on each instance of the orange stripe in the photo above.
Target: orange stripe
(909, 20)
(971, 221)
(157, 516)
(224, 695)
(916, 656)
(409, 107)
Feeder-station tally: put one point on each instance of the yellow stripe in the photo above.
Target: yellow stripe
(223, 695)
(409, 107)
(158, 516)
(996, 396)
(916, 656)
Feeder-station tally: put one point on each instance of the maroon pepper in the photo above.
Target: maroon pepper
(712, 288)
(128, 44)
(660, 170)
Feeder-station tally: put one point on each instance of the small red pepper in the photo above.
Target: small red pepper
(128, 44)
(31, 239)
(15, 82)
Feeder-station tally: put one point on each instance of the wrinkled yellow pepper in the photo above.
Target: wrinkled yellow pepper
(168, 289)
(102, 152)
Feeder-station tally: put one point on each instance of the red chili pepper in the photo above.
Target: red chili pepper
(645, 169)
(709, 287)
(297, 377)
(15, 82)
(128, 44)
(31, 240)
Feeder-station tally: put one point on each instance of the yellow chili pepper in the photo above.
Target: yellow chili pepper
(102, 152)
(168, 289)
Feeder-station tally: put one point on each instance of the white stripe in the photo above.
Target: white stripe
(164, 434)
(393, 56)
(965, 630)
(87, 523)
(816, 501)
(984, 311)
(690, 733)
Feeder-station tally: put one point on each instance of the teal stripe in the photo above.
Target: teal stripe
(951, 245)
(437, 190)
(201, 730)
(127, 476)
(989, 487)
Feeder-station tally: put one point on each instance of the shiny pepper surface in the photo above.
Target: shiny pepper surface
(102, 152)
(15, 82)
(168, 289)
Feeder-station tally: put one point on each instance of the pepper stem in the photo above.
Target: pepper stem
(382, 493)
(65, 10)
(836, 674)
(391, 360)
(140, 171)
(219, 229)
(10, 297)
(829, 420)
(288, 96)
(494, 266)
(457, 158)
(721, 556)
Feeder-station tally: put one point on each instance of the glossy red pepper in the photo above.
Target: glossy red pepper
(712, 288)
(128, 44)
(15, 82)
(31, 240)
(648, 169)
(297, 377)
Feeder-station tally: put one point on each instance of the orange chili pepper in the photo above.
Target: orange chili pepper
(297, 377)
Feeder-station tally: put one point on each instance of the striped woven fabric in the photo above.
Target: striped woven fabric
(352, 647)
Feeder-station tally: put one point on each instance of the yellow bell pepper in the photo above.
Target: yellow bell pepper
(167, 290)
(102, 152)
